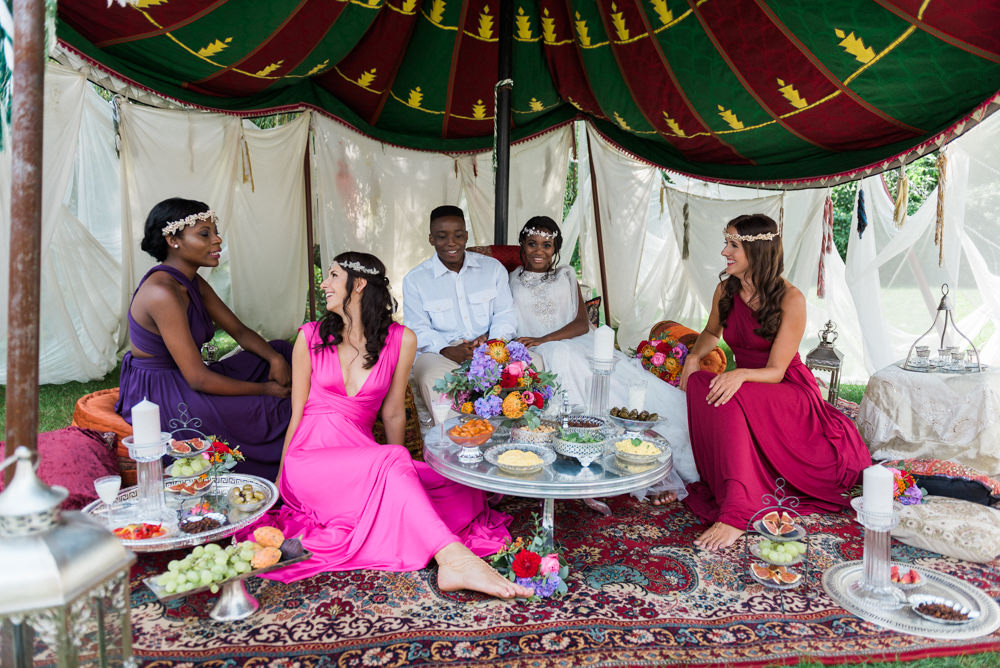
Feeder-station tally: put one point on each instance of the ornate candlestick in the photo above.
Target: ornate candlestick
(149, 470)
(600, 384)
(875, 589)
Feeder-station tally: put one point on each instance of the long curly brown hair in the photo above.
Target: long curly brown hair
(767, 263)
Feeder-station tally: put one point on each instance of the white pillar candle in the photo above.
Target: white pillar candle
(604, 343)
(145, 423)
(878, 490)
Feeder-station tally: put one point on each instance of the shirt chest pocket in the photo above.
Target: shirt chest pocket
(481, 304)
(441, 313)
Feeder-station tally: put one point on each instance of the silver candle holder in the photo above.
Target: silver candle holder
(600, 384)
(149, 472)
(875, 589)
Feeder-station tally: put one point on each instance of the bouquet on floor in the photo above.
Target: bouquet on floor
(499, 380)
(529, 565)
(905, 489)
(221, 457)
(664, 358)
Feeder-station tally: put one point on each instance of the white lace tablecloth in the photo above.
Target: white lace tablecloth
(953, 416)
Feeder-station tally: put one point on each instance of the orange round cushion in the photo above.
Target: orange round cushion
(97, 411)
(715, 361)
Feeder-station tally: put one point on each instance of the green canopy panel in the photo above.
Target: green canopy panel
(734, 90)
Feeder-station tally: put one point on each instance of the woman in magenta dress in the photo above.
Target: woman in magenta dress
(356, 503)
(765, 419)
(243, 399)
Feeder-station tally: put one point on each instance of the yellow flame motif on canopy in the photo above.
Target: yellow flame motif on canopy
(486, 23)
(673, 125)
(437, 11)
(662, 11)
(582, 30)
(270, 68)
(479, 110)
(619, 23)
(621, 121)
(416, 97)
(215, 47)
(318, 67)
(730, 118)
(792, 95)
(535, 105)
(523, 25)
(366, 78)
(854, 46)
(548, 27)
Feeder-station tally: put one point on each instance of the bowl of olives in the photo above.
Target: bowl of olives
(247, 498)
(633, 419)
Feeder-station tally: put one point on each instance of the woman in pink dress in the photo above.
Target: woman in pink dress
(765, 419)
(356, 503)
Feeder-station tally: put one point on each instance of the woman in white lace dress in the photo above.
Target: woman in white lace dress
(552, 321)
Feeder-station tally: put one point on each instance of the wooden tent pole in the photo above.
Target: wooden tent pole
(307, 175)
(502, 111)
(24, 276)
(600, 237)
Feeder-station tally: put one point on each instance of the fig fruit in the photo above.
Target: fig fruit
(291, 548)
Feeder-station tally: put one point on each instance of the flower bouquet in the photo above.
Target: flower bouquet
(499, 380)
(664, 358)
(905, 489)
(221, 457)
(525, 563)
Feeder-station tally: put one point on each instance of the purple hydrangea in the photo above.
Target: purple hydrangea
(488, 407)
(525, 582)
(518, 352)
(484, 372)
(912, 496)
(547, 391)
(546, 587)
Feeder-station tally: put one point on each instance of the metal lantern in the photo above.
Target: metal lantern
(825, 357)
(948, 307)
(64, 586)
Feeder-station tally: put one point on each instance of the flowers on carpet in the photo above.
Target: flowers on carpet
(527, 563)
(664, 358)
(905, 489)
(499, 380)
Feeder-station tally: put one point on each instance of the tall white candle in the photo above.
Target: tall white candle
(878, 490)
(604, 343)
(145, 423)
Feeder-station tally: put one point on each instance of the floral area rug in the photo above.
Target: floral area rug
(639, 594)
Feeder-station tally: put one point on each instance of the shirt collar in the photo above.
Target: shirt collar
(471, 260)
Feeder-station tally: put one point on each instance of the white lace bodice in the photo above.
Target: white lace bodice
(544, 302)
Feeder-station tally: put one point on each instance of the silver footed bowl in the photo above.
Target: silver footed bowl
(585, 453)
(545, 454)
(633, 458)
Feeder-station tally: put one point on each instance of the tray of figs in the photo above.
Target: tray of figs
(779, 526)
(189, 447)
(633, 419)
(215, 568)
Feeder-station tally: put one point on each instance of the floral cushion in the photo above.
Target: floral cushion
(593, 307)
(944, 478)
(952, 527)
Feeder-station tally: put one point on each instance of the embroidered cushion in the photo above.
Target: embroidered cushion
(952, 527)
(944, 478)
(594, 311)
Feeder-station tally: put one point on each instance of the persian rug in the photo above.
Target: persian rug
(639, 594)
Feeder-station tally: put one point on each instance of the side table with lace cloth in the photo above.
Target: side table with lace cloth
(953, 416)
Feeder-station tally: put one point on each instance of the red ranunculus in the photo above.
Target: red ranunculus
(539, 401)
(532, 375)
(662, 347)
(526, 564)
(507, 380)
(219, 446)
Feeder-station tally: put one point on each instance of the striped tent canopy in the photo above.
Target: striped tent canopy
(734, 90)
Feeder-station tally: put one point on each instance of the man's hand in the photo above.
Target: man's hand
(460, 352)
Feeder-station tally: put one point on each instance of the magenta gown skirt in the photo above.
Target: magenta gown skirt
(766, 431)
(358, 504)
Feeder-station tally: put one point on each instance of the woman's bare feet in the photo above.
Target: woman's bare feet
(718, 536)
(459, 568)
(663, 498)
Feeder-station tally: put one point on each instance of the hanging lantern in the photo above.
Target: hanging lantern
(919, 362)
(825, 357)
(64, 586)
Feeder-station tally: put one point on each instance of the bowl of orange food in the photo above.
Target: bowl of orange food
(472, 433)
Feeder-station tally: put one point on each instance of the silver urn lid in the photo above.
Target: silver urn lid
(28, 505)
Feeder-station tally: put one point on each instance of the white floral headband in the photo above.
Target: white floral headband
(193, 219)
(763, 236)
(540, 233)
(358, 267)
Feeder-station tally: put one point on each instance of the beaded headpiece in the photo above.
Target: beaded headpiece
(539, 232)
(193, 219)
(763, 236)
(358, 267)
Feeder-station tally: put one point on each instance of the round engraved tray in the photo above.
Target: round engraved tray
(838, 580)
(216, 498)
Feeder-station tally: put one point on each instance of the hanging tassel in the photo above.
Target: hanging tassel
(942, 165)
(826, 246)
(475, 168)
(862, 216)
(247, 165)
(685, 246)
(663, 191)
(902, 195)
(781, 215)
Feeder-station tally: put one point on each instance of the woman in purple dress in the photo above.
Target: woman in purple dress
(765, 419)
(243, 399)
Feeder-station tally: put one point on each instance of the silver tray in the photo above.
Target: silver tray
(164, 596)
(223, 483)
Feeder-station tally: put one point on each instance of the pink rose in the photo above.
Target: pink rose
(528, 397)
(549, 565)
(658, 359)
(516, 369)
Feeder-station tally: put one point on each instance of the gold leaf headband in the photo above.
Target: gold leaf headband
(763, 236)
(193, 219)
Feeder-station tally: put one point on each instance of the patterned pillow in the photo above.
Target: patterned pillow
(943, 478)
(951, 527)
(593, 307)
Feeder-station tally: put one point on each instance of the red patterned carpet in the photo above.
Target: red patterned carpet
(639, 595)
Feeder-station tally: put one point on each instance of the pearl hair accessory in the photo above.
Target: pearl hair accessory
(193, 219)
(359, 268)
(541, 233)
(763, 236)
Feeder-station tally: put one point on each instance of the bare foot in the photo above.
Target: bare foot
(663, 498)
(718, 536)
(459, 568)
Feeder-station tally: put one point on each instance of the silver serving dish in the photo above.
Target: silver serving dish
(583, 424)
(522, 434)
(916, 600)
(632, 458)
(194, 452)
(585, 453)
(544, 453)
(634, 425)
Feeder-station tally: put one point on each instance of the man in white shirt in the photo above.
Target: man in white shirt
(454, 301)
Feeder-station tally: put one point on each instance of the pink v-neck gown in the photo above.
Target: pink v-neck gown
(359, 504)
(766, 431)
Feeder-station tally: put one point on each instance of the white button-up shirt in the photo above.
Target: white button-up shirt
(443, 307)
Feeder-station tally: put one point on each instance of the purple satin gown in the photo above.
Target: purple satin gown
(766, 431)
(358, 504)
(256, 424)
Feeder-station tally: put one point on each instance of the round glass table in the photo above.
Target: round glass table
(564, 478)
